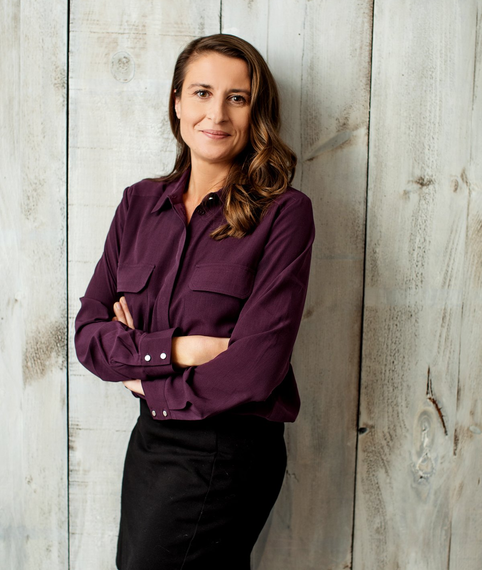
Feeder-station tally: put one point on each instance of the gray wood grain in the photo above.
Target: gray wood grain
(466, 522)
(420, 282)
(33, 446)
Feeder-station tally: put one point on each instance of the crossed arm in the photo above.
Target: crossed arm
(190, 350)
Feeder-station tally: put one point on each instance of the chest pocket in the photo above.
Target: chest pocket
(132, 281)
(225, 278)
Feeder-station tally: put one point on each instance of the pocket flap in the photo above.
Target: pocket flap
(226, 278)
(133, 278)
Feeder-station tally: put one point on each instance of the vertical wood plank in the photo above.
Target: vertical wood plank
(319, 53)
(33, 447)
(422, 242)
(466, 492)
(122, 57)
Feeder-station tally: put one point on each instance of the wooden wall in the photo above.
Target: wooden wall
(33, 312)
(382, 102)
(419, 498)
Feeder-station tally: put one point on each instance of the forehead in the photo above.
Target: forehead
(218, 70)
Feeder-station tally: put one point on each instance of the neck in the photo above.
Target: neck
(205, 178)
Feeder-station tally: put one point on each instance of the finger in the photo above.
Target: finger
(134, 386)
(119, 313)
(127, 313)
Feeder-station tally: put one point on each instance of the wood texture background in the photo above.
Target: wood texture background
(382, 102)
(33, 315)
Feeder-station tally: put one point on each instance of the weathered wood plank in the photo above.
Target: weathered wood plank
(466, 524)
(320, 56)
(419, 251)
(33, 447)
(122, 56)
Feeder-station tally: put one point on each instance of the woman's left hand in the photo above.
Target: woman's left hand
(134, 386)
(123, 315)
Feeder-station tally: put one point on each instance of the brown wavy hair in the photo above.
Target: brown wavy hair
(265, 168)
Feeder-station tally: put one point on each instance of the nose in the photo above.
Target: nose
(217, 112)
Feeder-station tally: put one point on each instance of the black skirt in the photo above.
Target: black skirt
(196, 494)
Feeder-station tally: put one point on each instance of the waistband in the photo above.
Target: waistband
(226, 421)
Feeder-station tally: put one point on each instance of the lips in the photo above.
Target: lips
(215, 134)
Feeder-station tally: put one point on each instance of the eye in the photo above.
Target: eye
(202, 93)
(238, 99)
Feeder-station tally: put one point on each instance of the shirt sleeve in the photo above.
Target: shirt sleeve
(110, 349)
(257, 359)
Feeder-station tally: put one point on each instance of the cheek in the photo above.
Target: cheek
(187, 123)
(246, 131)
(190, 117)
(243, 126)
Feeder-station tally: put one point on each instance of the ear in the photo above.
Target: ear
(177, 105)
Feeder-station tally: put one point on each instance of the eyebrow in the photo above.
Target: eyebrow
(205, 86)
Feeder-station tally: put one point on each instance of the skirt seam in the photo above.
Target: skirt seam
(201, 512)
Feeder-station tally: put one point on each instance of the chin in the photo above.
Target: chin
(216, 158)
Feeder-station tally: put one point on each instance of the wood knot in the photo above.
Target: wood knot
(123, 67)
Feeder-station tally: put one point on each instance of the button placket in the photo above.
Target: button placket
(207, 207)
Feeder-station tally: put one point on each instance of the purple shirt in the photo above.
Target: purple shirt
(179, 281)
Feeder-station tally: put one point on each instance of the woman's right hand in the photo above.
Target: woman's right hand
(190, 350)
(122, 313)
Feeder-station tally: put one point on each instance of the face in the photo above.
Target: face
(214, 108)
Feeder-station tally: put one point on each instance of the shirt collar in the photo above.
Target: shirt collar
(175, 190)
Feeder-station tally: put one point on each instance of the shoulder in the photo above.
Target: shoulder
(147, 187)
(294, 205)
(144, 196)
(290, 220)
(292, 196)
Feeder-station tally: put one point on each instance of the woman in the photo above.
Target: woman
(195, 306)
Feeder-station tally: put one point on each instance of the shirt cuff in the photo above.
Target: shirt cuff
(155, 352)
(162, 406)
(156, 401)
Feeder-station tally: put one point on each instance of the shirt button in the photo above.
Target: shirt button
(164, 413)
(153, 413)
(210, 197)
(147, 357)
(163, 355)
